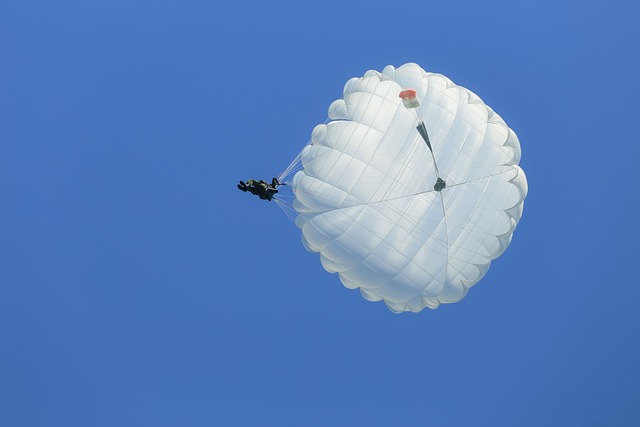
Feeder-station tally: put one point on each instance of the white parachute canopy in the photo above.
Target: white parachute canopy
(410, 190)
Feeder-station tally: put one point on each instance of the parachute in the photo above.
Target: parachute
(409, 190)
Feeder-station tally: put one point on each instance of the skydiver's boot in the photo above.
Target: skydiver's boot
(242, 186)
(275, 182)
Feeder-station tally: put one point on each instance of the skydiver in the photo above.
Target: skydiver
(262, 189)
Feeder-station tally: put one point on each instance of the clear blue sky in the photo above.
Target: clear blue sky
(139, 287)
